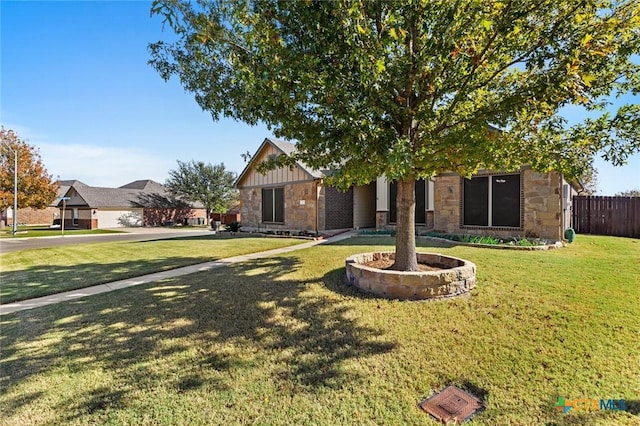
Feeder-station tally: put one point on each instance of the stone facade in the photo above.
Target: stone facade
(447, 202)
(543, 204)
(541, 207)
(456, 277)
(303, 203)
(382, 220)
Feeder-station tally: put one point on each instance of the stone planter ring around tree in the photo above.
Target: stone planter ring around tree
(456, 277)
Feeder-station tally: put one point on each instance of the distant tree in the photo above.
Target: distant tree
(36, 187)
(629, 193)
(408, 89)
(212, 185)
(159, 208)
(589, 180)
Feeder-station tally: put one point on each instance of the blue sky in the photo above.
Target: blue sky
(76, 84)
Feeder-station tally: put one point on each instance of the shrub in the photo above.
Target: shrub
(234, 226)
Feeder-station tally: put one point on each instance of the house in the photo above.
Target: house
(33, 216)
(91, 207)
(296, 199)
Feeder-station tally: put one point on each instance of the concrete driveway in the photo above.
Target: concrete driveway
(8, 245)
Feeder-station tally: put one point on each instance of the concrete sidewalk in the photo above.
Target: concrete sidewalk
(144, 279)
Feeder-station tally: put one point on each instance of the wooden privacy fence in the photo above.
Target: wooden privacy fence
(619, 216)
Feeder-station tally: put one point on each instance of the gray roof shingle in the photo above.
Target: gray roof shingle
(122, 197)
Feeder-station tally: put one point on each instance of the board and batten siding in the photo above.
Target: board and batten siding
(275, 177)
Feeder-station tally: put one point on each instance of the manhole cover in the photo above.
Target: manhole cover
(452, 404)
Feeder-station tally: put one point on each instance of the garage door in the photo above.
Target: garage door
(119, 218)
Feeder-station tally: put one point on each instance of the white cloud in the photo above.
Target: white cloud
(103, 166)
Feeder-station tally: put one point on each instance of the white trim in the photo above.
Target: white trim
(431, 195)
(382, 194)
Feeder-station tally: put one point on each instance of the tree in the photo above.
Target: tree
(410, 89)
(36, 187)
(629, 193)
(589, 180)
(160, 208)
(212, 185)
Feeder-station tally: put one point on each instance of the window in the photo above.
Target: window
(492, 201)
(75, 216)
(421, 201)
(273, 205)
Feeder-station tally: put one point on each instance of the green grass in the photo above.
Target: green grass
(285, 341)
(44, 231)
(39, 272)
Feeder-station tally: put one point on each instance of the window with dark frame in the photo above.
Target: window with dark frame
(273, 205)
(492, 201)
(421, 201)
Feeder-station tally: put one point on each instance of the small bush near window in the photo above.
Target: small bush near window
(234, 226)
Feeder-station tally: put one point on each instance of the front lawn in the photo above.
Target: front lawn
(39, 272)
(285, 341)
(44, 231)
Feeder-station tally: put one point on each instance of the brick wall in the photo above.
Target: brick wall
(339, 208)
(31, 216)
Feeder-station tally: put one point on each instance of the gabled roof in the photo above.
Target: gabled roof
(145, 185)
(63, 188)
(287, 148)
(96, 197)
(122, 197)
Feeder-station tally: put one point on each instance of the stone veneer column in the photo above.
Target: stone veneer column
(300, 206)
(251, 207)
(542, 204)
(447, 202)
(382, 220)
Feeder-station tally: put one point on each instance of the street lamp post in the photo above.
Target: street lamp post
(64, 205)
(15, 193)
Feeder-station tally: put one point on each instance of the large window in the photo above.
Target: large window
(273, 205)
(492, 201)
(421, 201)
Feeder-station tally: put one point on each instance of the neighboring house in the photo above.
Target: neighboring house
(296, 199)
(31, 216)
(90, 207)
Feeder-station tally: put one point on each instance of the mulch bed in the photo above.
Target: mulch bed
(388, 263)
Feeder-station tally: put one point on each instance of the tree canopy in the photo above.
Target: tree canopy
(408, 89)
(629, 193)
(212, 185)
(160, 208)
(36, 187)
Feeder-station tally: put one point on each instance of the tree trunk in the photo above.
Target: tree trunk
(405, 228)
(207, 217)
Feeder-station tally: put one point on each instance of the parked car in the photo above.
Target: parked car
(57, 223)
